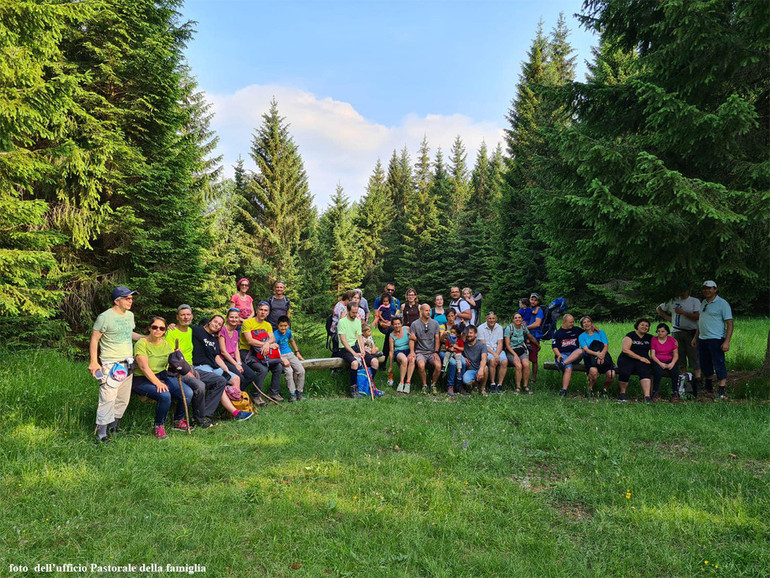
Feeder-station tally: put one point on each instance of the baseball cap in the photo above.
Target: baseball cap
(710, 284)
(177, 363)
(536, 296)
(121, 291)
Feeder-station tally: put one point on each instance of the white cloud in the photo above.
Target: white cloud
(337, 143)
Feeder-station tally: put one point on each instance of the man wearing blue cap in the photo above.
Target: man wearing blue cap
(712, 338)
(111, 351)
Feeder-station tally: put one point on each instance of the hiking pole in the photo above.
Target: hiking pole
(262, 393)
(184, 397)
(369, 379)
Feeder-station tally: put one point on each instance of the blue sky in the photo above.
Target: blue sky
(357, 79)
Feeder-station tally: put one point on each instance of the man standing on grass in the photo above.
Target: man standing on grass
(461, 306)
(279, 304)
(352, 346)
(207, 387)
(566, 349)
(491, 334)
(715, 330)
(424, 347)
(683, 313)
(111, 353)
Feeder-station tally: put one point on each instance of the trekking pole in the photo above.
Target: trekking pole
(262, 393)
(369, 379)
(184, 398)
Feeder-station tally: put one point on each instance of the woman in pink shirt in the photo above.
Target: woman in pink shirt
(242, 301)
(665, 359)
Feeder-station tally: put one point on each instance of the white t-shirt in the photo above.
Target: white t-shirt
(459, 306)
(680, 322)
(490, 336)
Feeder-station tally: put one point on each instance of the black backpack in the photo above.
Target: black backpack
(551, 316)
(331, 336)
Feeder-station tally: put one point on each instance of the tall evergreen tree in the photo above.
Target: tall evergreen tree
(458, 176)
(664, 171)
(373, 220)
(339, 235)
(279, 203)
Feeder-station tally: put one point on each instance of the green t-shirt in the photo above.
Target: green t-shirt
(350, 329)
(157, 354)
(185, 342)
(116, 343)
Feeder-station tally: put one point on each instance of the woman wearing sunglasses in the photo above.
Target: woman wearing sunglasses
(151, 379)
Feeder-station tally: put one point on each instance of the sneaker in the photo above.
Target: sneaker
(293, 398)
(160, 432)
(259, 402)
(206, 423)
(723, 396)
(425, 389)
(434, 389)
(484, 391)
(622, 398)
(563, 393)
(647, 399)
(407, 387)
(517, 391)
(590, 394)
(603, 394)
(450, 391)
(674, 399)
(464, 391)
(492, 388)
(400, 388)
(277, 397)
(390, 380)
(354, 391)
(102, 440)
(181, 425)
(300, 397)
(655, 396)
(500, 388)
(242, 415)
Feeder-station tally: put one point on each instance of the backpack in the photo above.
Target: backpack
(244, 403)
(551, 316)
(362, 380)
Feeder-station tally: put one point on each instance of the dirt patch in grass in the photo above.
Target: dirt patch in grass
(679, 449)
(539, 477)
(756, 468)
(574, 510)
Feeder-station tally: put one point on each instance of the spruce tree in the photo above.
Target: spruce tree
(342, 242)
(373, 220)
(278, 200)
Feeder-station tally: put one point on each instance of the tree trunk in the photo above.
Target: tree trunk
(766, 365)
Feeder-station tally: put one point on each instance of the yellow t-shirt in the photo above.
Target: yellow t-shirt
(157, 354)
(248, 326)
(185, 342)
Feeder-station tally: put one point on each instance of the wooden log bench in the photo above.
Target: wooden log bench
(551, 365)
(308, 364)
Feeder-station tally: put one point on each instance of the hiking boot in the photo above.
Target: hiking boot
(300, 396)
(655, 396)
(258, 401)
(354, 391)
(434, 389)
(277, 397)
(113, 427)
(160, 432)
(181, 425)
(206, 423)
(400, 388)
(292, 398)
(102, 440)
(464, 391)
(450, 391)
(622, 398)
(242, 415)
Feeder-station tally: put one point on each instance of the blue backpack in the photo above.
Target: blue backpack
(551, 316)
(363, 384)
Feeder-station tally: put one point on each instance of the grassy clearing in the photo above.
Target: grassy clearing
(505, 485)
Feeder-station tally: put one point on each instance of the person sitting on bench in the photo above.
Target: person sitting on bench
(352, 346)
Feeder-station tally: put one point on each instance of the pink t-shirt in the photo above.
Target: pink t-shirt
(245, 310)
(231, 341)
(664, 351)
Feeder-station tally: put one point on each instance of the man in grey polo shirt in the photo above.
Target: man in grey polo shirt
(424, 347)
(491, 334)
(683, 313)
(715, 330)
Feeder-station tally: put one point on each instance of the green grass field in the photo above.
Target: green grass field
(499, 486)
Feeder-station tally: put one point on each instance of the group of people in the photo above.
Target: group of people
(201, 366)
(210, 365)
(447, 341)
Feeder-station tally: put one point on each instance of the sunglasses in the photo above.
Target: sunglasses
(390, 290)
(129, 298)
(157, 327)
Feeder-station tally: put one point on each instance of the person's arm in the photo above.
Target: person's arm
(223, 351)
(654, 357)
(436, 343)
(499, 348)
(555, 346)
(93, 351)
(675, 359)
(377, 317)
(220, 363)
(392, 348)
(483, 364)
(663, 314)
(694, 341)
(144, 365)
(728, 335)
(344, 342)
(537, 322)
(507, 345)
(296, 349)
(361, 346)
(467, 314)
(137, 336)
